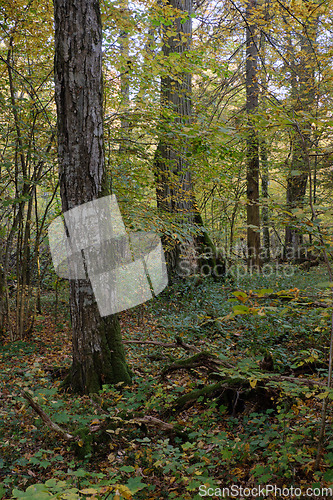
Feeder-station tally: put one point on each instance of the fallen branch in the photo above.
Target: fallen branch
(110, 421)
(295, 300)
(115, 423)
(231, 393)
(234, 392)
(46, 419)
(200, 360)
(295, 380)
(179, 343)
(153, 421)
(214, 364)
(313, 304)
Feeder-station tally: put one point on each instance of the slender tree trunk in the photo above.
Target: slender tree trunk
(252, 99)
(98, 354)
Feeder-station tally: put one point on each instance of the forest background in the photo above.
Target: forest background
(218, 137)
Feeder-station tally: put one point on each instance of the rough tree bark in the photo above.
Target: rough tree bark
(266, 251)
(172, 170)
(98, 354)
(252, 100)
(124, 87)
(303, 99)
(174, 189)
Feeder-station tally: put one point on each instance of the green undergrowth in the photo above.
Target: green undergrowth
(115, 455)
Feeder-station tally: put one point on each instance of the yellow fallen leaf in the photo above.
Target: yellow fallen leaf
(88, 491)
(253, 382)
(124, 491)
(323, 395)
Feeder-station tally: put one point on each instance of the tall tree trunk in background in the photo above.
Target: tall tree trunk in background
(124, 86)
(174, 190)
(266, 249)
(252, 100)
(2, 302)
(98, 354)
(264, 209)
(172, 170)
(303, 98)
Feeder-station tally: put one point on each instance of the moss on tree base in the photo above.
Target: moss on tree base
(107, 365)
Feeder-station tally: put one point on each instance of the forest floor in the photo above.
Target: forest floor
(265, 345)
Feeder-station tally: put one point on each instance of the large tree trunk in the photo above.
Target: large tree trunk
(303, 98)
(252, 99)
(98, 355)
(266, 251)
(174, 189)
(172, 170)
(296, 190)
(124, 87)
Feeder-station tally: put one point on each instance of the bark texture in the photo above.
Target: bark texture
(252, 97)
(174, 189)
(266, 251)
(172, 169)
(98, 355)
(264, 150)
(303, 94)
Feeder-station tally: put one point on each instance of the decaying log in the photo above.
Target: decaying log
(232, 392)
(229, 393)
